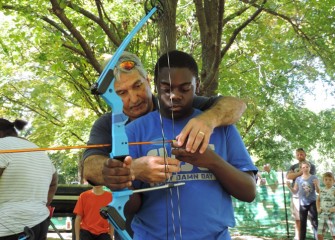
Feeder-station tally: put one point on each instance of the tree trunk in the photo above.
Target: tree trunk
(167, 26)
(210, 15)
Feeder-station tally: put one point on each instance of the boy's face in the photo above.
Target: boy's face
(328, 181)
(176, 89)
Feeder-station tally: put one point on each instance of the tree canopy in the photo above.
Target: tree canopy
(269, 53)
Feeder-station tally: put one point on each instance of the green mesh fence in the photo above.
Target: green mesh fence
(269, 215)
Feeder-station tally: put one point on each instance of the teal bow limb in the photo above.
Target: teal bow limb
(105, 87)
(114, 212)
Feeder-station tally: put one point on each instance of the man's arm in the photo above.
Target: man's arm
(1, 171)
(197, 132)
(92, 169)
(293, 175)
(95, 164)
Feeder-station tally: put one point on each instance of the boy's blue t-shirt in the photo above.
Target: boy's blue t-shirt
(200, 209)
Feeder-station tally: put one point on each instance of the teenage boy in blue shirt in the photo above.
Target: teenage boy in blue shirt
(202, 208)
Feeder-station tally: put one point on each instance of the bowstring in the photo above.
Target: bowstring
(165, 157)
(164, 141)
(173, 137)
(162, 128)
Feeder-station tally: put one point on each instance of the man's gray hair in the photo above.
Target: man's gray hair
(125, 56)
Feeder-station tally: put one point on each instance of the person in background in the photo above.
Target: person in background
(325, 204)
(138, 100)
(268, 179)
(306, 187)
(28, 182)
(204, 204)
(294, 172)
(89, 224)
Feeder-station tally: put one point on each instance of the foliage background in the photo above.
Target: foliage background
(272, 53)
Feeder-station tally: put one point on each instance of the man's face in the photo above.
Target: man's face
(135, 92)
(177, 96)
(300, 155)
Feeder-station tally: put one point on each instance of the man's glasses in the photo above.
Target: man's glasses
(127, 65)
(102, 88)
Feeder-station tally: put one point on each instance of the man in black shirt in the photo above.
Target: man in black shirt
(133, 86)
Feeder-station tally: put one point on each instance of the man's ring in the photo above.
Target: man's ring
(202, 133)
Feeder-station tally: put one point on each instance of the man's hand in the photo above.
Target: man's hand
(118, 175)
(197, 132)
(293, 175)
(154, 169)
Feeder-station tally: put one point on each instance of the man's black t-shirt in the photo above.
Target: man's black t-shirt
(101, 129)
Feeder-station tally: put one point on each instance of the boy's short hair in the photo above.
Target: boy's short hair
(328, 174)
(176, 59)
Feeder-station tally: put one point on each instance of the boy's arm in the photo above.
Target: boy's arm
(241, 185)
(77, 222)
(318, 207)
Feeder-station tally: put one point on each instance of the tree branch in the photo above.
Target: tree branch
(59, 12)
(240, 28)
(98, 20)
